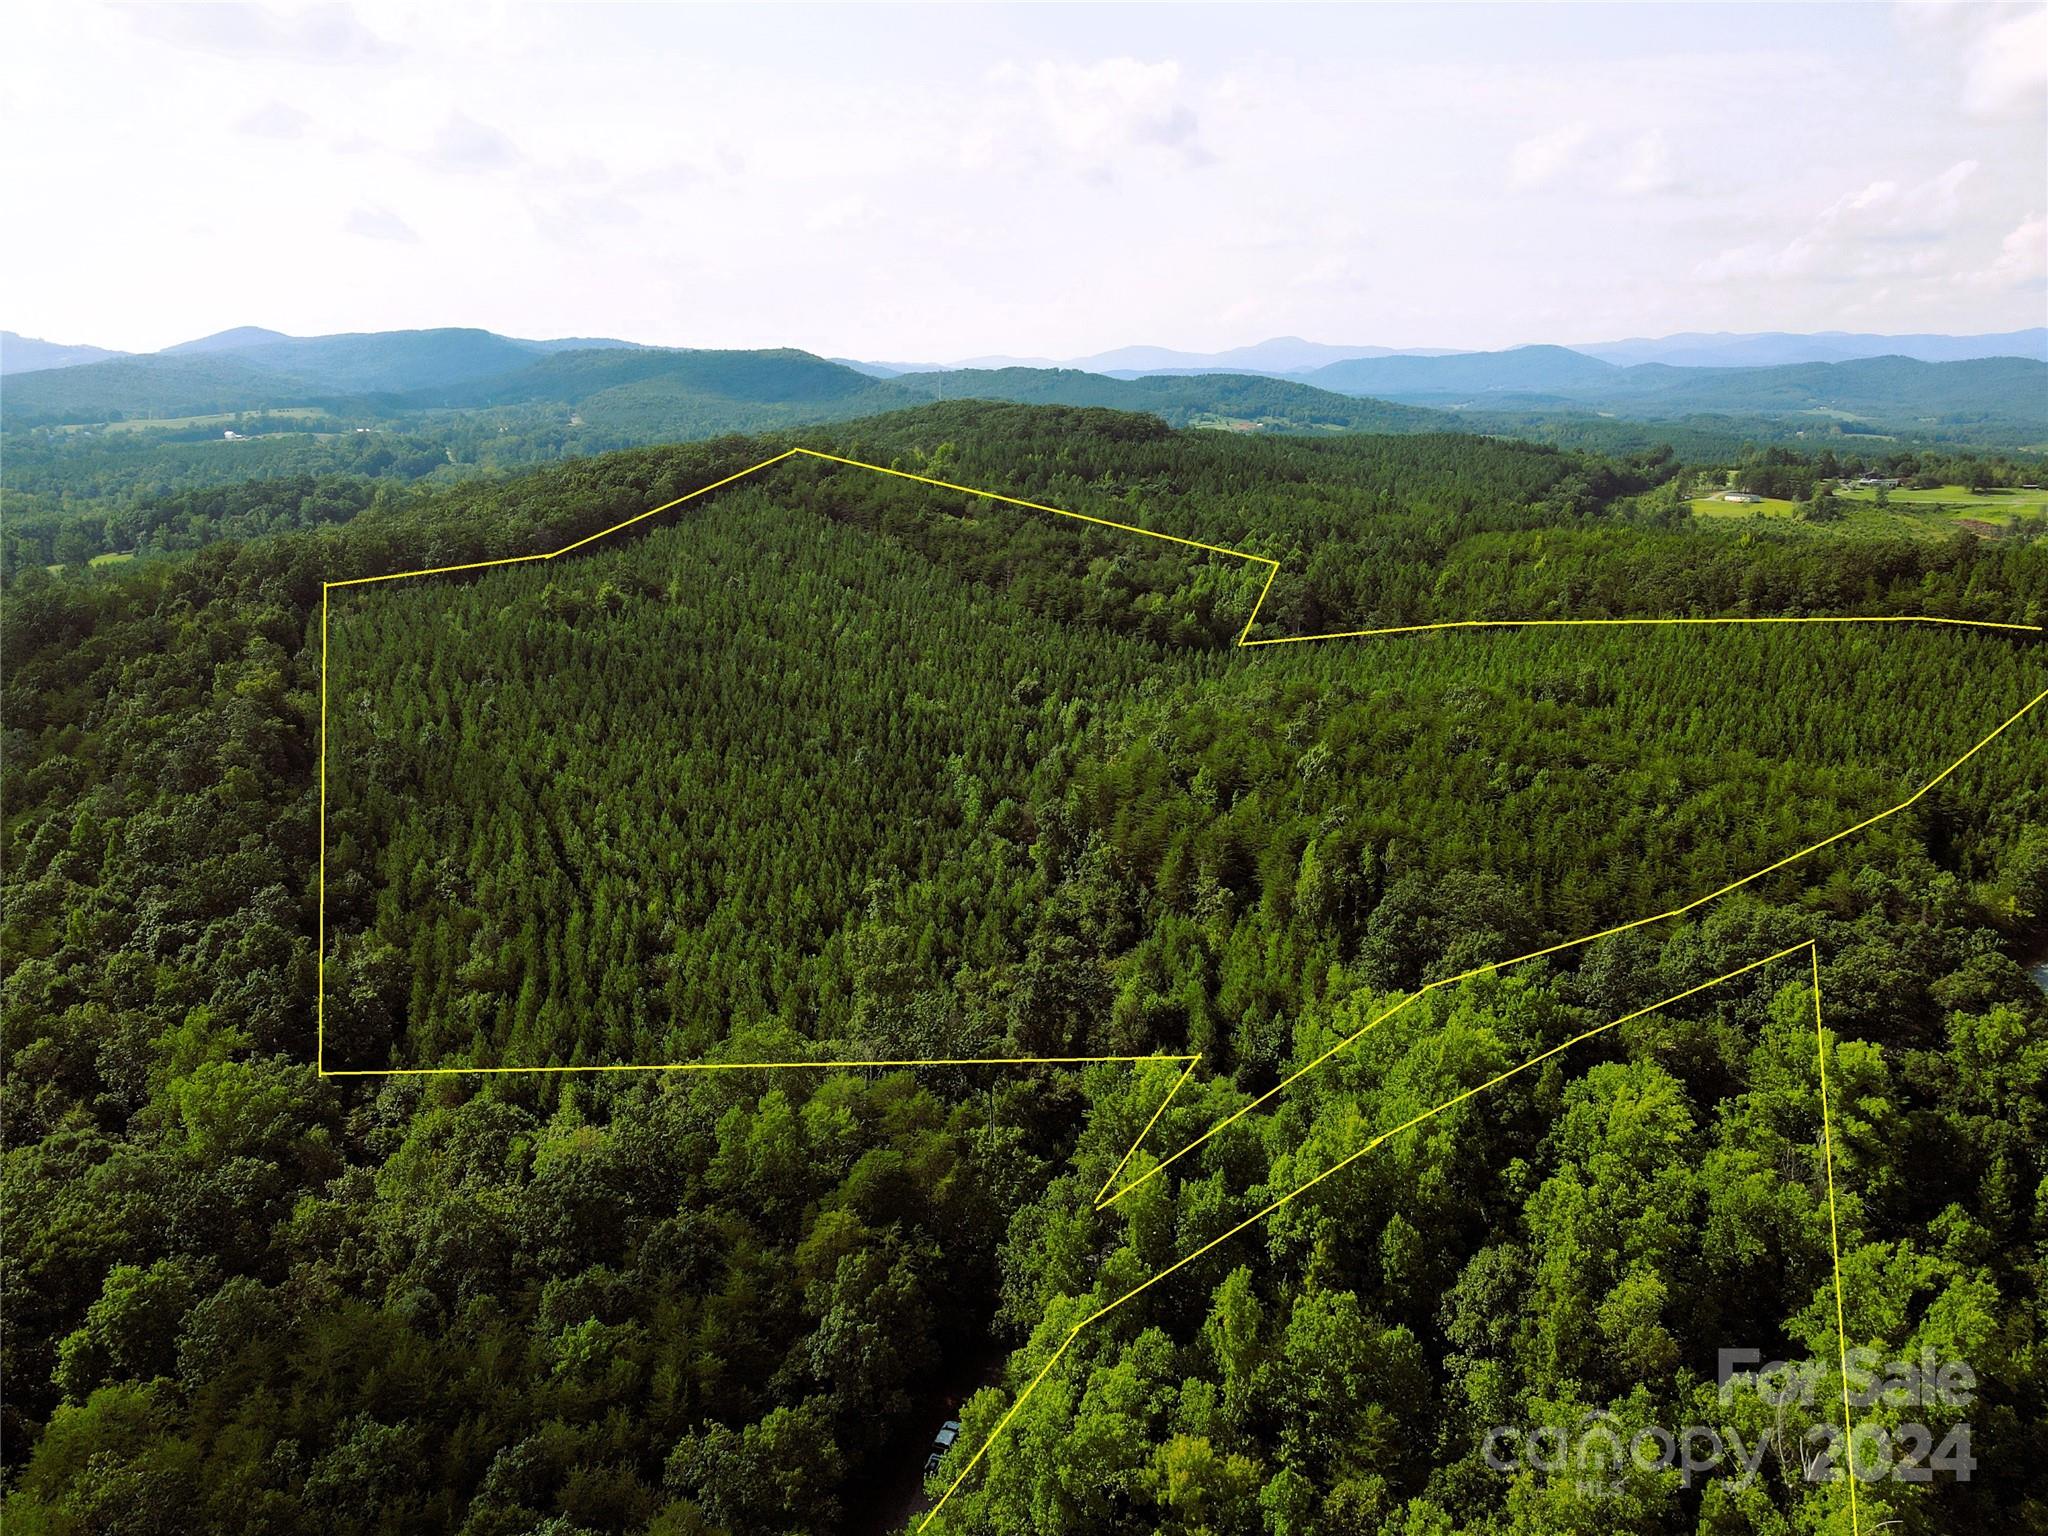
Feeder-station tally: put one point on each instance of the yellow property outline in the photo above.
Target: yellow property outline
(1243, 640)
(1812, 949)
(1552, 949)
(1103, 1197)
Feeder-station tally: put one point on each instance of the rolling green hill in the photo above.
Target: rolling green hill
(1206, 399)
(154, 386)
(390, 362)
(1899, 389)
(253, 369)
(778, 376)
(626, 394)
(634, 394)
(788, 386)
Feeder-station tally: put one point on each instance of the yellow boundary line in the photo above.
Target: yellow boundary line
(1191, 1062)
(1243, 640)
(1138, 1140)
(825, 1064)
(1827, 1142)
(1417, 629)
(1269, 1209)
(1552, 949)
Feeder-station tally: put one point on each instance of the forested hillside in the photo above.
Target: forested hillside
(829, 765)
(95, 462)
(631, 393)
(97, 459)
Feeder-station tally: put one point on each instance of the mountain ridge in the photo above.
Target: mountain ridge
(31, 354)
(1292, 357)
(653, 392)
(1277, 357)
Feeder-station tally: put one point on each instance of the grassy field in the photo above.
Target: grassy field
(1770, 506)
(223, 420)
(1998, 508)
(1206, 421)
(112, 557)
(1932, 514)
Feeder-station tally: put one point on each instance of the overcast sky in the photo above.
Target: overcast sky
(937, 183)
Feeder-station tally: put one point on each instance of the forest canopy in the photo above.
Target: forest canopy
(830, 765)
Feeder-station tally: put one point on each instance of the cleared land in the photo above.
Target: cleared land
(1951, 502)
(179, 423)
(1920, 514)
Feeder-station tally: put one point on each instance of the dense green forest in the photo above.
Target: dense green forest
(79, 487)
(154, 456)
(830, 765)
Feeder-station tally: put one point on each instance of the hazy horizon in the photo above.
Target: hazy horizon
(990, 358)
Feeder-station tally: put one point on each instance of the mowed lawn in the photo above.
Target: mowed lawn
(1717, 506)
(1928, 514)
(222, 419)
(1997, 507)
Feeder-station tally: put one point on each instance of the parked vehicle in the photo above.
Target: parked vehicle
(941, 1443)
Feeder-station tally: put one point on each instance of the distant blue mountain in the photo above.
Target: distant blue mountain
(240, 339)
(583, 344)
(1987, 399)
(1280, 356)
(459, 352)
(377, 362)
(1519, 370)
(1292, 357)
(2008, 395)
(368, 362)
(1763, 349)
(26, 354)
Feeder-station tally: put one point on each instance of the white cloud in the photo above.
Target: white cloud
(1100, 113)
(2008, 73)
(2022, 259)
(1333, 270)
(838, 215)
(1881, 230)
(380, 224)
(464, 144)
(1352, 166)
(318, 34)
(677, 176)
(274, 120)
(1538, 161)
(574, 218)
(1650, 169)
(1999, 52)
